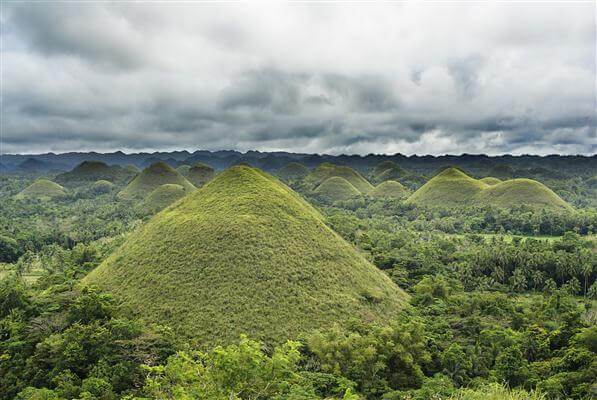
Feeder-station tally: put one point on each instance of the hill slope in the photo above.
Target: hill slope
(199, 174)
(151, 178)
(337, 189)
(453, 188)
(292, 171)
(389, 189)
(490, 180)
(328, 170)
(161, 198)
(245, 254)
(450, 188)
(522, 192)
(91, 171)
(386, 171)
(42, 189)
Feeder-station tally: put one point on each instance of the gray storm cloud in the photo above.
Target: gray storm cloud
(409, 78)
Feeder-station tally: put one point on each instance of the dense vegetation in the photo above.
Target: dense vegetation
(502, 301)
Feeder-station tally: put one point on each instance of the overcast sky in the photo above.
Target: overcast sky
(360, 78)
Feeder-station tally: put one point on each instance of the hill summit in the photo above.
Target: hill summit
(328, 170)
(337, 189)
(454, 188)
(42, 189)
(245, 254)
(390, 190)
(151, 178)
(292, 171)
(91, 171)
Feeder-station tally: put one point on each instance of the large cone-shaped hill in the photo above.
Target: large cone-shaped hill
(390, 190)
(328, 170)
(244, 254)
(151, 178)
(337, 189)
(91, 171)
(453, 188)
(42, 189)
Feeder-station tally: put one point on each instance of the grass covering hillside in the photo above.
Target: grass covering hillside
(387, 170)
(91, 171)
(102, 186)
(450, 188)
(292, 171)
(490, 180)
(42, 189)
(328, 170)
(522, 191)
(199, 174)
(245, 254)
(453, 188)
(336, 189)
(161, 198)
(389, 189)
(151, 178)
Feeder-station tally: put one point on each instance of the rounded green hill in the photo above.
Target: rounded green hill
(389, 189)
(328, 170)
(42, 189)
(102, 186)
(336, 189)
(161, 198)
(245, 254)
(199, 174)
(450, 188)
(152, 177)
(528, 192)
(387, 171)
(91, 171)
(453, 188)
(292, 171)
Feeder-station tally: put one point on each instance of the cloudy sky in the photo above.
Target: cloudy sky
(413, 78)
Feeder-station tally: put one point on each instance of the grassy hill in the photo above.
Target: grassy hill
(151, 178)
(245, 254)
(389, 189)
(292, 171)
(91, 171)
(522, 191)
(490, 180)
(328, 170)
(450, 188)
(199, 174)
(161, 198)
(453, 188)
(336, 189)
(42, 189)
(386, 171)
(102, 186)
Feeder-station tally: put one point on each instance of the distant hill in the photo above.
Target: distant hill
(199, 174)
(490, 180)
(151, 178)
(91, 171)
(386, 171)
(389, 189)
(292, 171)
(328, 170)
(454, 188)
(519, 191)
(245, 254)
(161, 198)
(42, 189)
(35, 165)
(102, 186)
(336, 189)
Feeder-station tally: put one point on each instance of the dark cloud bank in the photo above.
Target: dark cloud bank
(424, 79)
